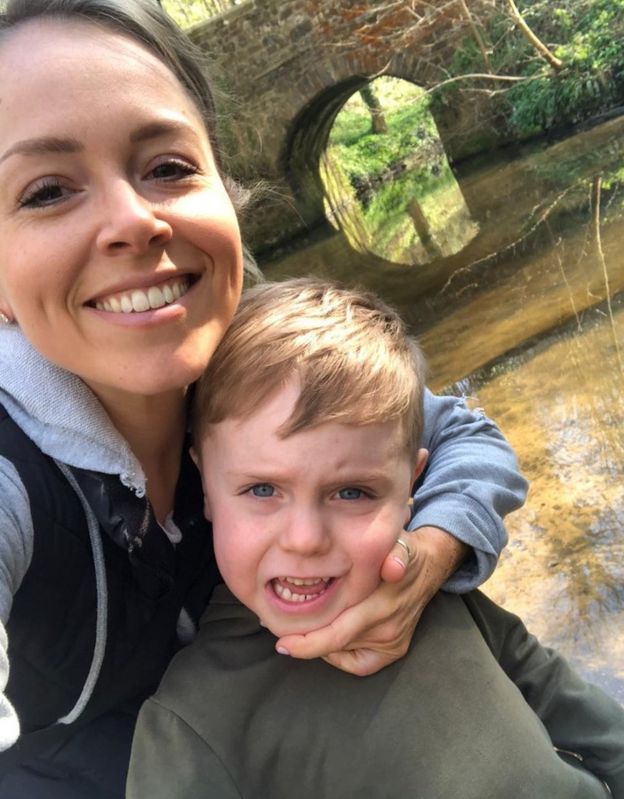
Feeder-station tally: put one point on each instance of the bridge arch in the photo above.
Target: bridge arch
(307, 139)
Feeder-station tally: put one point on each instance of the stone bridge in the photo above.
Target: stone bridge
(288, 66)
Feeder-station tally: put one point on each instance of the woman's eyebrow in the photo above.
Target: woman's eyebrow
(43, 145)
(54, 144)
(152, 130)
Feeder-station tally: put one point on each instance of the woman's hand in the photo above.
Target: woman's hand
(378, 631)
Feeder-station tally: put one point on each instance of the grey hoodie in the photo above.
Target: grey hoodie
(471, 480)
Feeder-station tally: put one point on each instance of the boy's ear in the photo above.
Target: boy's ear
(207, 510)
(421, 461)
(197, 462)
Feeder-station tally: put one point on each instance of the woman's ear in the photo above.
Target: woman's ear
(6, 316)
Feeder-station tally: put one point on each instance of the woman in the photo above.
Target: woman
(120, 267)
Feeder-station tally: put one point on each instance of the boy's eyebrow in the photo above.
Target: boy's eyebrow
(268, 476)
(43, 145)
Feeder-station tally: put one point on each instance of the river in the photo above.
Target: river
(527, 319)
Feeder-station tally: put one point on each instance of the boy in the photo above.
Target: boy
(307, 431)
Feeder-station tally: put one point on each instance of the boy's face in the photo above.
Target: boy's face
(303, 523)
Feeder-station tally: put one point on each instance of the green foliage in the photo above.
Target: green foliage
(592, 78)
(588, 37)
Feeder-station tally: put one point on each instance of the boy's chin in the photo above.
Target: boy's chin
(279, 628)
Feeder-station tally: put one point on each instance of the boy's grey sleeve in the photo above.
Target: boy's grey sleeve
(16, 545)
(169, 759)
(579, 717)
(470, 483)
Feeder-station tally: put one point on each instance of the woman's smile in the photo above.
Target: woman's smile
(140, 300)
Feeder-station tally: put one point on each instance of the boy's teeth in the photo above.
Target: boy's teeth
(308, 581)
(138, 300)
(284, 592)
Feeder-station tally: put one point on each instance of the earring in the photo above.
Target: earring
(4, 319)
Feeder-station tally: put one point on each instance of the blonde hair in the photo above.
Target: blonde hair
(350, 353)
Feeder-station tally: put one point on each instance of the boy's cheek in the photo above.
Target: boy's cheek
(382, 535)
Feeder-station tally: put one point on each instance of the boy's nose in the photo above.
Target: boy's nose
(305, 532)
(129, 222)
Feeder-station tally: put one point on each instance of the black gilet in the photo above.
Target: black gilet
(51, 629)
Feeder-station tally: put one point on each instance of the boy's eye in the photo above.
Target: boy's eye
(263, 490)
(173, 169)
(352, 493)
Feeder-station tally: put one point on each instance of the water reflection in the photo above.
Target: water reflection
(389, 187)
(562, 406)
(530, 318)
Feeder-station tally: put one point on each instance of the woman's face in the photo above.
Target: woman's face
(120, 255)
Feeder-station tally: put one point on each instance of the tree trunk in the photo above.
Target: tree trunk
(378, 120)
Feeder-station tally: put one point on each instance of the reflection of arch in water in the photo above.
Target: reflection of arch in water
(413, 211)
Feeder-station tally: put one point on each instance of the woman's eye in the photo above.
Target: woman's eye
(352, 493)
(43, 194)
(173, 169)
(263, 490)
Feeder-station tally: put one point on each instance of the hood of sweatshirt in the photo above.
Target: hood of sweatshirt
(60, 413)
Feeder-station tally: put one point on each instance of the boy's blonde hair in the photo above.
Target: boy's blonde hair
(350, 353)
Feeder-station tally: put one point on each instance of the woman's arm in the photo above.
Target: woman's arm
(16, 542)
(471, 482)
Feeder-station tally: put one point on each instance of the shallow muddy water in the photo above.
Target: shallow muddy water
(528, 319)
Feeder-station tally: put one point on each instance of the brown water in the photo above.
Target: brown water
(528, 319)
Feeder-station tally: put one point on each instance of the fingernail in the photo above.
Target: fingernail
(282, 651)
(400, 562)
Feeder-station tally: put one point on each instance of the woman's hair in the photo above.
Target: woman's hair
(145, 22)
(142, 20)
(349, 352)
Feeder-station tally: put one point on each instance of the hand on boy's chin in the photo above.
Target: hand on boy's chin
(378, 631)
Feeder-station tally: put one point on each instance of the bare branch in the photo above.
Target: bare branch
(536, 43)
(595, 196)
(477, 34)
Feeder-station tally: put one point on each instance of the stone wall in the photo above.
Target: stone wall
(288, 66)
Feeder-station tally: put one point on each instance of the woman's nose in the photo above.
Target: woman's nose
(129, 222)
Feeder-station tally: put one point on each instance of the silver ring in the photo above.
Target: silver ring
(410, 554)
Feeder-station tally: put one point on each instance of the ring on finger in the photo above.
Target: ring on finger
(410, 554)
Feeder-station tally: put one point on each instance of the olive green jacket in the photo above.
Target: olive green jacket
(472, 712)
